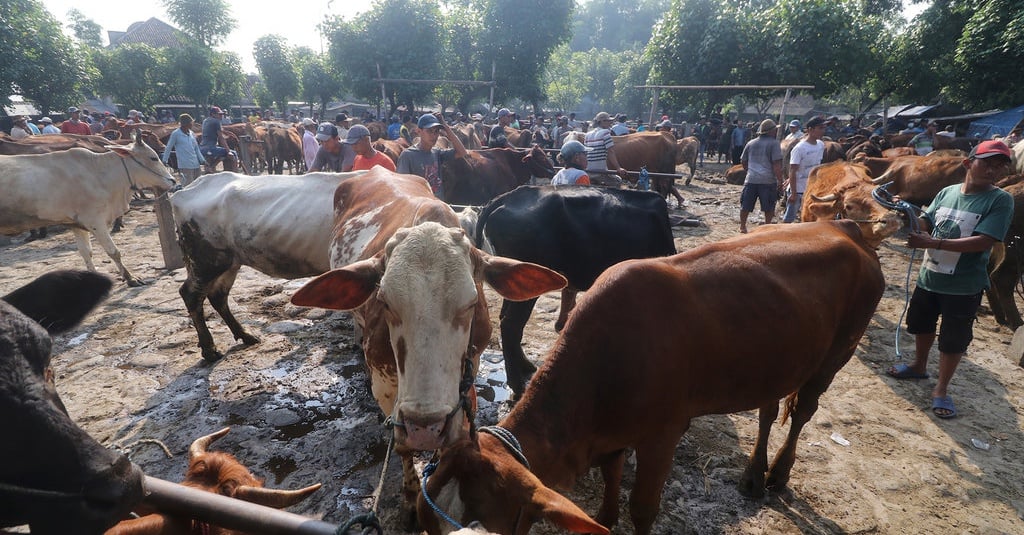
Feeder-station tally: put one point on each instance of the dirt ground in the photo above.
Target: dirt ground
(872, 460)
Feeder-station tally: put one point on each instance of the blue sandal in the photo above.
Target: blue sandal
(943, 407)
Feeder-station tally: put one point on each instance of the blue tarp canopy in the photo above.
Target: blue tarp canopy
(915, 111)
(999, 124)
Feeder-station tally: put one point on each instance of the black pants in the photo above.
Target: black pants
(736, 153)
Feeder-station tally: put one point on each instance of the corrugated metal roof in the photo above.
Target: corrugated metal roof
(916, 111)
(153, 32)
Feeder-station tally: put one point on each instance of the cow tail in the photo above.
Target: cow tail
(481, 221)
(788, 408)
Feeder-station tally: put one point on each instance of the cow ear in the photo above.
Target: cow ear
(344, 288)
(561, 512)
(123, 151)
(519, 281)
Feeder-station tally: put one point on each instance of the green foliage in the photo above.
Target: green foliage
(190, 71)
(635, 71)
(207, 21)
(399, 36)
(989, 55)
(43, 66)
(274, 61)
(86, 30)
(616, 25)
(566, 78)
(130, 73)
(319, 83)
(228, 79)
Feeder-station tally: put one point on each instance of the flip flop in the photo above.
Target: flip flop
(902, 371)
(943, 407)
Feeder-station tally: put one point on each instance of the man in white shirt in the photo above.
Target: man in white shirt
(805, 156)
(309, 143)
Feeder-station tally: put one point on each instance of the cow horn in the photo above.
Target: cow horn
(200, 444)
(882, 179)
(276, 498)
(828, 198)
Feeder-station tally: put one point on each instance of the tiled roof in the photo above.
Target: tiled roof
(153, 32)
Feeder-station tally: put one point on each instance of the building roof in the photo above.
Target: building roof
(153, 32)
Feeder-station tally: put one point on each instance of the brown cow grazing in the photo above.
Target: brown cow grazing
(674, 356)
(414, 283)
(219, 473)
(841, 190)
(658, 152)
(484, 174)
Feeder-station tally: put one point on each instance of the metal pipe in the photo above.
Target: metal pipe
(229, 512)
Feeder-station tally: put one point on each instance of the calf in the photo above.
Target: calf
(278, 225)
(54, 476)
(802, 297)
(414, 282)
(219, 473)
(577, 231)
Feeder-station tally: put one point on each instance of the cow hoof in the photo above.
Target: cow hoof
(135, 283)
(248, 339)
(749, 488)
(558, 326)
(212, 355)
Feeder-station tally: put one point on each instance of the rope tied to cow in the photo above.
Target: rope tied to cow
(911, 212)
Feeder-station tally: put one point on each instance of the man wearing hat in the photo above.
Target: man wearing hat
(924, 142)
(74, 125)
(215, 145)
(333, 156)
(794, 130)
(341, 120)
(309, 143)
(496, 138)
(762, 160)
(573, 157)
(620, 128)
(601, 152)
(366, 156)
(969, 218)
(424, 159)
(806, 154)
(48, 127)
(832, 128)
(20, 129)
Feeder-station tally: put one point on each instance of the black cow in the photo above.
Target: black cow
(577, 231)
(53, 475)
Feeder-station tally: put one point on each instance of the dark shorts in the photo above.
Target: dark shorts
(958, 313)
(767, 193)
(215, 152)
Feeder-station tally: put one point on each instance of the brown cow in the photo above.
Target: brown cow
(603, 391)
(1006, 264)
(484, 174)
(51, 143)
(392, 148)
(842, 190)
(283, 144)
(468, 136)
(736, 175)
(219, 473)
(687, 150)
(918, 179)
(414, 283)
(658, 152)
(896, 152)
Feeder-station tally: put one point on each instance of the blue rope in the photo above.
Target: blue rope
(427, 472)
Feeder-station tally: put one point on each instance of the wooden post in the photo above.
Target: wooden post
(782, 114)
(168, 237)
(243, 147)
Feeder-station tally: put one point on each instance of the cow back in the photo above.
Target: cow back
(654, 150)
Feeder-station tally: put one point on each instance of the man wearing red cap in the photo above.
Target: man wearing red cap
(969, 218)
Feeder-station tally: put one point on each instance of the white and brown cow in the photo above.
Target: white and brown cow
(81, 189)
(414, 282)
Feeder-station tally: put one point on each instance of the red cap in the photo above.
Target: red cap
(992, 147)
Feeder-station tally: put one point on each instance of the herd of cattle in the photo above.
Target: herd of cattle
(412, 269)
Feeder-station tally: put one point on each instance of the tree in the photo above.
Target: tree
(86, 30)
(635, 71)
(131, 73)
(319, 83)
(275, 65)
(228, 79)
(43, 66)
(988, 56)
(617, 25)
(207, 21)
(566, 78)
(356, 50)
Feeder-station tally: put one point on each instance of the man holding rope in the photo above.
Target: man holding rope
(969, 218)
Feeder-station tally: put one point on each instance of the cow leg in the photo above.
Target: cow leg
(611, 473)
(752, 481)
(410, 492)
(1005, 276)
(514, 316)
(568, 303)
(218, 296)
(84, 247)
(693, 171)
(653, 465)
(806, 406)
(105, 241)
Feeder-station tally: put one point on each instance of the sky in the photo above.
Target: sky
(294, 20)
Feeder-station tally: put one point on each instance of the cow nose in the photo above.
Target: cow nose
(423, 432)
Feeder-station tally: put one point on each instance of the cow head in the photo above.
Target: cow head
(55, 476)
(142, 165)
(427, 287)
(481, 481)
(851, 198)
(538, 162)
